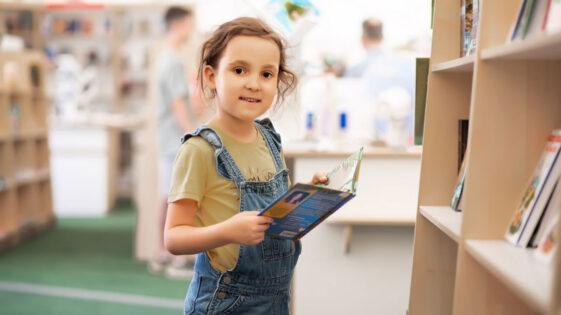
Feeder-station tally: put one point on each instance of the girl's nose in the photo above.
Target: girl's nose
(252, 83)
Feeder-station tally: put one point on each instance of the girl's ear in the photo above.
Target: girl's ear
(209, 75)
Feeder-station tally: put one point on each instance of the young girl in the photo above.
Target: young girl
(229, 169)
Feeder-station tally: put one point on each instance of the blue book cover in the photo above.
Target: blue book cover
(304, 206)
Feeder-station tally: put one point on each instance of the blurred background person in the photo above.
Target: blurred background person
(176, 116)
(389, 80)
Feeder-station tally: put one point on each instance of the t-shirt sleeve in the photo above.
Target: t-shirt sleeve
(190, 170)
(176, 81)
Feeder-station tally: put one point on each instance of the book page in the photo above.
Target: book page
(344, 177)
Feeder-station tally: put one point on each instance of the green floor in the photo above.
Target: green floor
(93, 254)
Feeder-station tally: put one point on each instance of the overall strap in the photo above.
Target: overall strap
(225, 164)
(272, 139)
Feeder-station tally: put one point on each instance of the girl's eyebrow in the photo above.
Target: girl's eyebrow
(239, 62)
(246, 64)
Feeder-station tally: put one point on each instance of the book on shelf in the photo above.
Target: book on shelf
(421, 81)
(548, 242)
(550, 213)
(472, 43)
(305, 206)
(466, 19)
(456, 202)
(536, 17)
(525, 23)
(533, 201)
(536, 24)
(463, 28)
(517, 23)
(552, 21)
(463, 127)
(525, 19)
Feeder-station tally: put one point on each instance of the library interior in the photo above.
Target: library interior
(402, 157)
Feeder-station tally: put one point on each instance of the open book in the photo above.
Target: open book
(304, 206)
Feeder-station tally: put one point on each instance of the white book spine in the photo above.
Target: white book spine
(554, 17)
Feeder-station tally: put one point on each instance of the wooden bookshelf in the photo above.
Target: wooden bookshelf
(25, 193)
(516, 267)
(510, 94)
(445, 219)
(463, 64)
(544, 46)
(123, 35)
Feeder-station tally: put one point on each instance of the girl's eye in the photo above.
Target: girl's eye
(268, 75)
(238, 70)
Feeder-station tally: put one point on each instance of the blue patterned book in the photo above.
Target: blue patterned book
(304, 206)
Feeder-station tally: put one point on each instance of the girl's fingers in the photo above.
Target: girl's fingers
(264, 220)
(320, 178)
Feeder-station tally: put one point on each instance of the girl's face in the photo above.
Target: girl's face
(246, 77)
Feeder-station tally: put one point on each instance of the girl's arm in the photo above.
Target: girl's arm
(181, 237)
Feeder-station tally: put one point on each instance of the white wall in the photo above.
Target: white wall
(374, 278)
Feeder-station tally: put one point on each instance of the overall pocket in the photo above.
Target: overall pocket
(275, 249)
(225, 302)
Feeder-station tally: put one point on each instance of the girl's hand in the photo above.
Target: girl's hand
(247, 228)
(320, 177)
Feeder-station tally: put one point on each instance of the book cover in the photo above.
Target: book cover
(462, 28)
(532, 203)
(553, 17)
(550, 213)
(468, 20)
(463, 128)
(516, 27)
(472, 47)
(304, 206)
(537, 18)
(525, 23)
(421, 83)
(548, 243)
(544, 22)
(456, 202)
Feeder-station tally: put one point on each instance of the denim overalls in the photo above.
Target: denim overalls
(260, 281)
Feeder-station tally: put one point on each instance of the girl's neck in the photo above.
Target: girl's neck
(243, 131)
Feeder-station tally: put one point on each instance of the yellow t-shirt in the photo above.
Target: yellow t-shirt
(195, 177)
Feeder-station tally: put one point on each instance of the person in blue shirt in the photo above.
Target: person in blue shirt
(385, 74)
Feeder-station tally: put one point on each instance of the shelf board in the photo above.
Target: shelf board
(310, 150)
(31, 176)
(463, 64)
(31, 135)
(517, 268)
(371, 220)
(545, 46)
(444, 218)
(104, 39)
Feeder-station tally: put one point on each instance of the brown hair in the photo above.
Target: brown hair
(176, 13)
(212, 49)
(373, 29)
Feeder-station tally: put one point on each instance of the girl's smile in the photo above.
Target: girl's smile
(250, 100)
